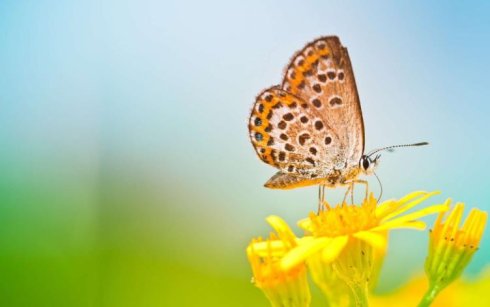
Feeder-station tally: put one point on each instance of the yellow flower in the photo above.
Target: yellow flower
(330, 230)
(348, 237)
(285, 288)
(451, 248)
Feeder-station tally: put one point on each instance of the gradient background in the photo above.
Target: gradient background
(126, 173)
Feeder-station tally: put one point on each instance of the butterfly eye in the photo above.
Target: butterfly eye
(365, 163)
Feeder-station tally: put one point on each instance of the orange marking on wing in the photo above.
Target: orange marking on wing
(301, 63)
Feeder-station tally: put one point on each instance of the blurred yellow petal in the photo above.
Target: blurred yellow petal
(376, 239)
(481, 227)
(305, 224)
(417, 225)
(282, 228)
(333, 249)
(274, 248)
(303, 251)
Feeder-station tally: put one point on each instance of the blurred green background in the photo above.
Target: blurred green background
(126, 173)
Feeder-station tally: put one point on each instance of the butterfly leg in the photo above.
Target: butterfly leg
(321, 197)
(352, 194)
(366, 184)
(350, 189)
(322, 204)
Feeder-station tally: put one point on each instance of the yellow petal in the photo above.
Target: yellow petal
(333, 249)
(305, 224)
(481, 226)
(418, 225)
(451, 225)
(388, 206)
(411, 196)
(410, 205)
(305, 240)
(281, 227)
(438, 223)
(395, 223)
(375, 239)
(303, 251)
(267, 248)
(475, 224)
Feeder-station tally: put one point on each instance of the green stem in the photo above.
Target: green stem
(360, 294)
(429, 296)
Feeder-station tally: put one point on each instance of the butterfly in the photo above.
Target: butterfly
(310, 127)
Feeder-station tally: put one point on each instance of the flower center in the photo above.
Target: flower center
(344, 220)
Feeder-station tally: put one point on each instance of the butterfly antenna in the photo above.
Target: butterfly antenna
(392, 148)
(380, 186)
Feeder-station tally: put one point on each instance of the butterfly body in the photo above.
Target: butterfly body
(332, 178)
(311, 127)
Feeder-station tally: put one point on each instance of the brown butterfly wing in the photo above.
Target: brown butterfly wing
(321, 74)
(312, 124)
(288, 133)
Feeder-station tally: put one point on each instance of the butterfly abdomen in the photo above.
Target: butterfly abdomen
(284, 181)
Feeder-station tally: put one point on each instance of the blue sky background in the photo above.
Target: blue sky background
(123, 131)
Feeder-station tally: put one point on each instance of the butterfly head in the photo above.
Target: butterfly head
(368, 164)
